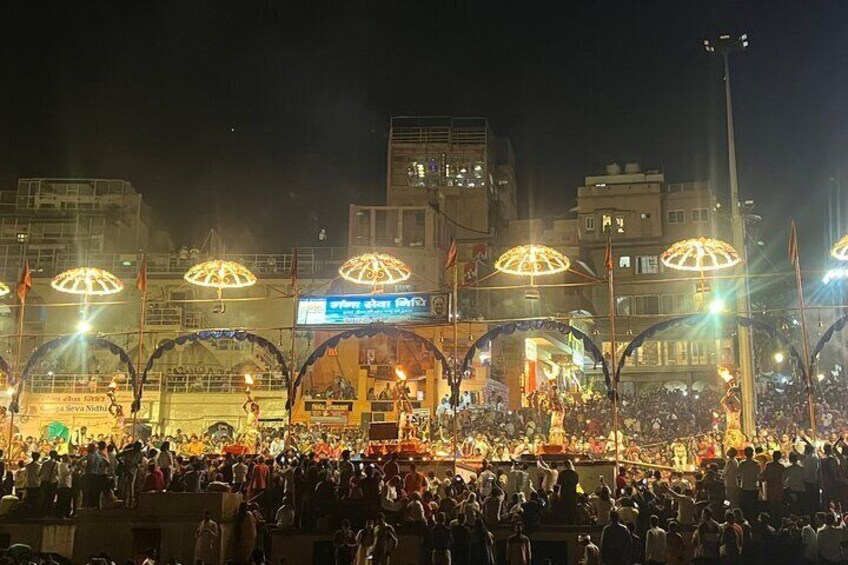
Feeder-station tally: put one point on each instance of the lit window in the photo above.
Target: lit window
(676, 216)
(590, 223)
(619, 224)
(646, 216)
(624, 262)
(700, 215)
(647, 264)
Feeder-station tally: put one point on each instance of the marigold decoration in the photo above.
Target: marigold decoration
(376, 269)
(220, 274)
(700, 254)
(532, 261)
(4, 289)
(840, 250)
(87, 281)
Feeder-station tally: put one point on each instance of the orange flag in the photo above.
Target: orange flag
(141, 278)
(25, 282)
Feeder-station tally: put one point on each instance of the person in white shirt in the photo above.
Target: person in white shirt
(809, 539)
(655, 543)
(793, 482)
(831, 541)
(550, 474)
(685, 507)
(730, 474)
(20, 480)
(32, 485)
(749, 488)
(486, 480)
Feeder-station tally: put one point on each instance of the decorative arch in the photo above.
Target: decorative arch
(238, 335)
(96, 341)
(368, 331)
(534, 325)
(696, 319)
(837, 326)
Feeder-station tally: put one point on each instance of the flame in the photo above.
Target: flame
(113, 385)
(400, 374)
(725, 374)
(248, 379)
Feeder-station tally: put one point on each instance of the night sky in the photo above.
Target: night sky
(266, 119)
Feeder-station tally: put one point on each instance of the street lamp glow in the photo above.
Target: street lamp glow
(779, 357)
(716, 306)
(835, 274)
(83, 327)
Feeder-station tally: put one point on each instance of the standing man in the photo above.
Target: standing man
(730, 474)
(32, 485)
(655, 543)
(812, 479)
(772, 476)
(615, 542)
(518, 548)
(49, 478)
(440, 542)
(96, 469)
(749, 475)
(64, 490)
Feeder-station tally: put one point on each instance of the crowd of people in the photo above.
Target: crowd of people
(754, 508)
(783, 487)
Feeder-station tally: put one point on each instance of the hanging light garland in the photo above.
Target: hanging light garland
(700, 254)
(87, 281)
(375, 269)
(840, 250)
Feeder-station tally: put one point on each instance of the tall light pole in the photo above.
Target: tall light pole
(724, 45)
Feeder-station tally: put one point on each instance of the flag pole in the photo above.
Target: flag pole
(456, 376)
(141, 284)
(293, 362)
(795, 256)
(23, 286)
(608, 264)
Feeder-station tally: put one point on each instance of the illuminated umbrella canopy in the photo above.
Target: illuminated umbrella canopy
(532, 261)
(87, 281)
(220, 274)
(700, 254)
(375, 269)
(840, 250)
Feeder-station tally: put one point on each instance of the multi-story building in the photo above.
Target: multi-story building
(645, 215)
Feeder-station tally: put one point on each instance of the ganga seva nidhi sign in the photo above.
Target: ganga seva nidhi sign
(358, 309)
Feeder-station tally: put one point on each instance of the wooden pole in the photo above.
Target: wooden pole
(13, 402)
(456, 376)
(137, 388)
(807, 366)
(613, 348)
(293, 362)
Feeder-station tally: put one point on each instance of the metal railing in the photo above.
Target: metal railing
(313, 262)
(89, 383)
